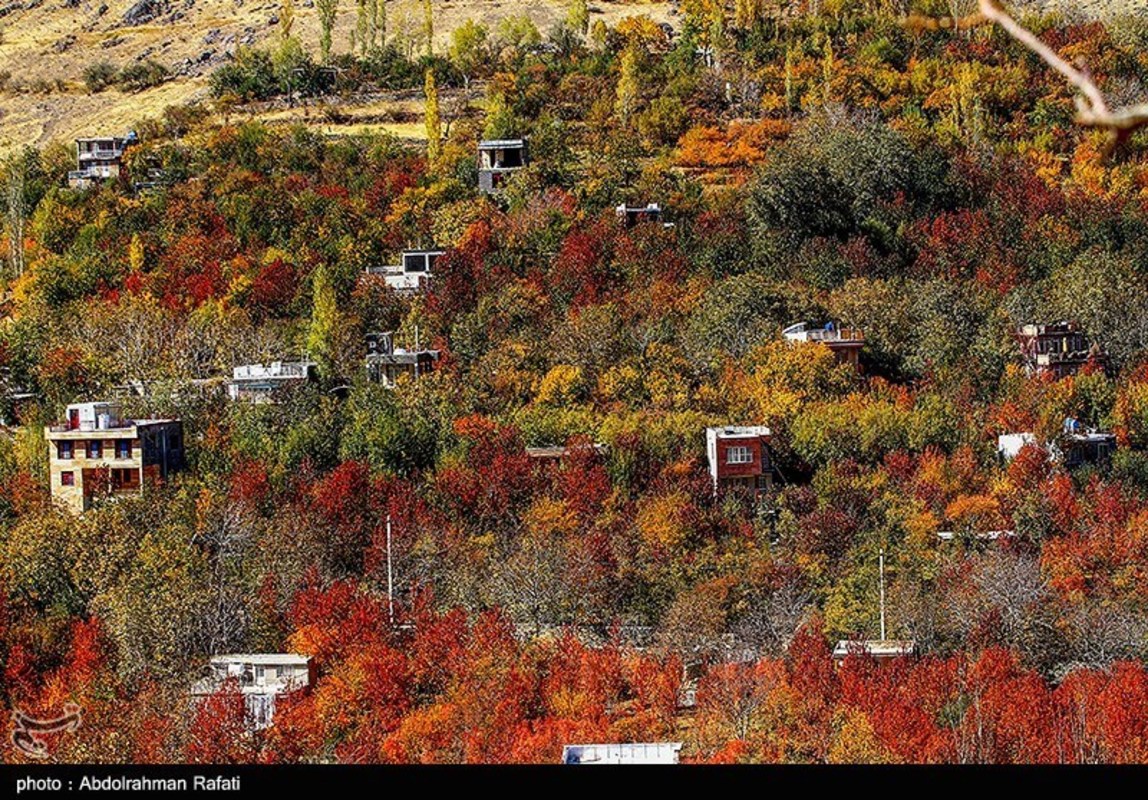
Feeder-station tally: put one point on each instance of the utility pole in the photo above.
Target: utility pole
(881, 569)
(391, 578)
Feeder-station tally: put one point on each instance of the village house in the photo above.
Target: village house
(740, 460)
(624, 753)
(498, 159)
(98, 159)
(257, 383)
(95, 453)
(1075, 446)
(386, 363)
(260, 677)
(879, 649)
(845, 342)
(980, 536)
(631, 216)
(412, 274)
(1057, 349)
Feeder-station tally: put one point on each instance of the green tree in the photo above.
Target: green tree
(629, 84)
(328, 10)
(323, 333)
(428, 26)
(578, 16)
(361, 35)
(379, 26)
(469, 50)
(16, 218)
(501, 121)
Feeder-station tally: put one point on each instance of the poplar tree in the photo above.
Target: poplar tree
(578, 17)
(428, 26)
(286, 19)
(17, 216)
(324, 328)
(433, 123)
(629, 85)
(327, 9)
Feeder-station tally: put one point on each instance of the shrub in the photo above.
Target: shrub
(99, 76)
(143, 75)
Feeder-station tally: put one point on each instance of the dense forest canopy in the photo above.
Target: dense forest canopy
(929, 187)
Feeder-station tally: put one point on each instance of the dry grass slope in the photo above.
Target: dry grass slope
(45, 46)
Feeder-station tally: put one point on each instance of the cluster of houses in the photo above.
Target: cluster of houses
(96, 452)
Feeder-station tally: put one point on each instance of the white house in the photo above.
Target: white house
(626, 753)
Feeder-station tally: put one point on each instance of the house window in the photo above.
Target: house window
(95, 449)
(123, 449)
(64, 450)
(67, 479)
(738, 455)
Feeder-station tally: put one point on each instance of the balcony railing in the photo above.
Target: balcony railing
(90, 173)
(386, 269)
(834, 335)
(87, 155)
(277, 370)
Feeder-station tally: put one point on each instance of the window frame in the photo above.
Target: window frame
(734, 451)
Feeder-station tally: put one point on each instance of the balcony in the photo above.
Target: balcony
(386, 269)
(830, 335)
(92, 173)
(100, 155)
(277, 370)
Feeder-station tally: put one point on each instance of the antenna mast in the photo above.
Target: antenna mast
(881, 568)
(390, 576)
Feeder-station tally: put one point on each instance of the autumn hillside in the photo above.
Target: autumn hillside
(776, 385)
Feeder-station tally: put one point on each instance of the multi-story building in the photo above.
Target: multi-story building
(740, 459)
(1075, 446)
(386, 363)
(256, 383)
(412, 274)
(97, 453)
(845, 342)
(498, 159)
(98, 159)
(1058, 349)
(260, 677)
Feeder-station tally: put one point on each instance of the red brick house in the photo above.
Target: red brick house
(740, 459)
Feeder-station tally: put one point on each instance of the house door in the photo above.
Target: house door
(73, 419)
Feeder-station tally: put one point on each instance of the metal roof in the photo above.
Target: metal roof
(876, 648)
(262, 658)
(739, 431)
